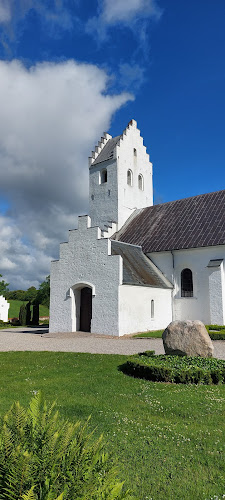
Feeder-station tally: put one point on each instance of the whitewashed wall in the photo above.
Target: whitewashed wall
(135, 308)
(103, 198)
(4, 309)
(85, 261)
(115, 200)
(131, 197)
(204, 279)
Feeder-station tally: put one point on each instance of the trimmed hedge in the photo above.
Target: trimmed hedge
(216, 332)
(177, 369)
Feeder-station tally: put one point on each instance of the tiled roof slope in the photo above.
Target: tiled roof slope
(107, 151)
(193, 222)
(137, 268)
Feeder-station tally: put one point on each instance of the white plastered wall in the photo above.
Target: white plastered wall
(135, 308)
(200, 306)
(4, 309)
(131, 197)
(85, 261)
(115, 200)
(103, 198)
(216, 294)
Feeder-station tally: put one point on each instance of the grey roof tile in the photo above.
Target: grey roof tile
(193, 222)
(107, 151)
(137, 268)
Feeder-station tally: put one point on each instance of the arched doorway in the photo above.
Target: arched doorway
(85, 309)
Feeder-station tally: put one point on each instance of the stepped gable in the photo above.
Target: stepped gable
(193, 222)
(107, 151)
(106, 146)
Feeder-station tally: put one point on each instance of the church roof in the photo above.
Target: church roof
(137, 268)
(193, 222)
(107, 151)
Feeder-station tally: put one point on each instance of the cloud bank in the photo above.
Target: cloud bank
(51, 116)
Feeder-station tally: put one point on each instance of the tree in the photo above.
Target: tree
(31, 294)
(3, 286)
(43, 295)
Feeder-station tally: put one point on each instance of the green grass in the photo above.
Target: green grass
(215, 332)
(168, 438)
(15, 308)
(157, 334)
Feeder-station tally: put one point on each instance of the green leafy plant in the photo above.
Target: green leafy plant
(178, 369)
(45, 458)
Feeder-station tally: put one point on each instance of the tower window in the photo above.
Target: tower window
(135, 152)
(130, 177)
(103, 176)
(186, 283)
(141, 182)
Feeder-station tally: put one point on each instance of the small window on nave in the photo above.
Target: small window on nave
(152, 309)
(130, 177)
(186, 283)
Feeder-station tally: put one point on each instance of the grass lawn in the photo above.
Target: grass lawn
(169, 439)
(15, 308)
(157, 334)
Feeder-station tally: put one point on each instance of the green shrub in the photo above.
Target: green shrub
(35, 319)
(215, 327)
(28, 313)
(15, 321)
(178, 369)
(217, 335)
(216, 332)
(23, 315)
(45, 458)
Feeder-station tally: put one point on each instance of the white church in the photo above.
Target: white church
(132, 266)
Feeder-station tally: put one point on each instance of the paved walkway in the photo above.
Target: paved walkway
(38, 339)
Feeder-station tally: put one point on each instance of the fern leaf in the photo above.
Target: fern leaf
(29, 495)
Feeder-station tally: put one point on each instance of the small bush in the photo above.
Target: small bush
(43, 457)
(215, 327)
(178, 369)
(216, 332)
(15, 321)
(217, 335)
(23, 315)
(35, 320)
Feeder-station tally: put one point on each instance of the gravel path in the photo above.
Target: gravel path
(38, 339)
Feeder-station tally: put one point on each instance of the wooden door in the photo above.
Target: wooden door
(85, 309)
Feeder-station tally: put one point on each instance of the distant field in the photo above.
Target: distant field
(15, 309)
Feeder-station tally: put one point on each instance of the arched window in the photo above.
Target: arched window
(141, 182)
(130, 177)
(103, 176)
(186, 283)
(152, 309)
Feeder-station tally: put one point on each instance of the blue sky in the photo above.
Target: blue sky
(71, 69)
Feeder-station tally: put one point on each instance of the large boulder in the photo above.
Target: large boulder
(187, 338)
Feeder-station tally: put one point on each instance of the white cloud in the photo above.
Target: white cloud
(51, 116)
(125, 11)
(5, 14)
(122, 12)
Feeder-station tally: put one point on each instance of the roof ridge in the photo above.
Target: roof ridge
(184, 199)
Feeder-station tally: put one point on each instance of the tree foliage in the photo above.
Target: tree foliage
(3, 287)
(43, 295)
(45, 458)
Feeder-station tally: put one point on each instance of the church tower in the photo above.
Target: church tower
(120, 178)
